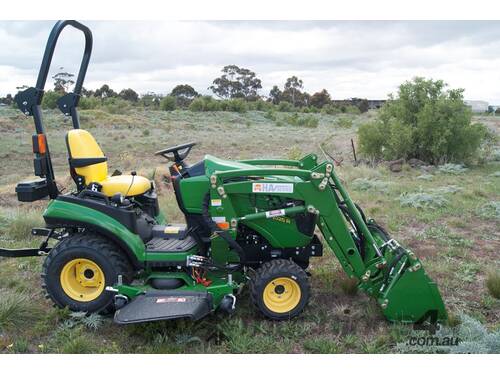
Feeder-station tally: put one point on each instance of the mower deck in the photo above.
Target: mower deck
(165, 305)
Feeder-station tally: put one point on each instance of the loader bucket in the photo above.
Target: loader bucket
(413, 298)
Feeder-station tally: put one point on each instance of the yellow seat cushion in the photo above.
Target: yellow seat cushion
(81, 144)
(122, 184)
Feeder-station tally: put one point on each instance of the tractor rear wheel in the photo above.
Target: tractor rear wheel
(76, 272)
(280, 289)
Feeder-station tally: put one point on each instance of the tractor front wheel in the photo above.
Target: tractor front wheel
(280, 289)
(76, 272)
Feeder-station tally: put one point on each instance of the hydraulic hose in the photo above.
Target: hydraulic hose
(233, 245)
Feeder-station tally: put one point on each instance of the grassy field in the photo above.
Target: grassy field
(456, 232)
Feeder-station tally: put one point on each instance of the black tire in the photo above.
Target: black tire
(280, 269)
(94, 248)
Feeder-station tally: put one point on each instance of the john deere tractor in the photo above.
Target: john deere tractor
(255, 222)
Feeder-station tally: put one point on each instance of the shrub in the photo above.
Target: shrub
(270, 115)
(330, 109)
(89, 103)
(260, 105)
(352, 109)
(116, 106)
(452, 168)
(168, 103)
(286, 107)
(424, 122)
(302, 121)
(493, 283)
(490, 210)
(205, 104)
(344, 122)
(49, 100)
(422, 200)
(364, 184)
(235, 105)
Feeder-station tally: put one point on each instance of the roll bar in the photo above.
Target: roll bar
(29, 101)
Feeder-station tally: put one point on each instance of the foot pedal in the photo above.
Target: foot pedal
(164, 305)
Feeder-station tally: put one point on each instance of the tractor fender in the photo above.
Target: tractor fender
(60, 214)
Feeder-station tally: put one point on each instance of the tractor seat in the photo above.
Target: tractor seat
(89, 165)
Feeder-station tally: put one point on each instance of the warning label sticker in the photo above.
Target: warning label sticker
(170, 299)
(268, 187)
(275, 213)
(219, 219)
(216, 202)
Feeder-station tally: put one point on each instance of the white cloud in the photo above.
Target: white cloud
(362, 59)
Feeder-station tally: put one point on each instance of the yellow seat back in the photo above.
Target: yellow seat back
(81, 144)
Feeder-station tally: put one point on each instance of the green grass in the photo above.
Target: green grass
(16, 310)
(457, 241)
(493, 283)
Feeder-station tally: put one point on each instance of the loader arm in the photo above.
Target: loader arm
(391, 274)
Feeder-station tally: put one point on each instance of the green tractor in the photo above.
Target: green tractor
(254, 222)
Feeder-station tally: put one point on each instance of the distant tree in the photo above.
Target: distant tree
(184, 95)
(320, 99)
(497, 111)
(62, 81)
(292, 92)
(236, 82)
(7, 100)
(87, 93)
(105, 92)
(129, 94)
(362, 104)
(275, 95)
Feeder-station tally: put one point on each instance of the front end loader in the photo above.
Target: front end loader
(255, 222)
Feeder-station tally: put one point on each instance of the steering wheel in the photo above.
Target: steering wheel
(176, 153)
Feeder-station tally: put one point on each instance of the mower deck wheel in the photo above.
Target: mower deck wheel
(280, 289)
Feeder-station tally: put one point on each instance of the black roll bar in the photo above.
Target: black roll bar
(29, 101)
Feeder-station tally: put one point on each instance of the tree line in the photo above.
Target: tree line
(235, 84)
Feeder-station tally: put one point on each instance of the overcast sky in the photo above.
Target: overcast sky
(349, 59)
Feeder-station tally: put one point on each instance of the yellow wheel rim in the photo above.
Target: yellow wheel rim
(82, 280)
(282, 295)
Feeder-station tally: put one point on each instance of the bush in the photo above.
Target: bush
(424, 122)
(490, 210)
(344, 122)
(168, 103)
(330, 109)
(451, 168)
(89, 103)
(365, 184)
(286, 107)
(260, 105)
(234, 105)
(49, 100)
(116, 106)
(205, 104)
(302, 121)
(270, 115)
(422, 200)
